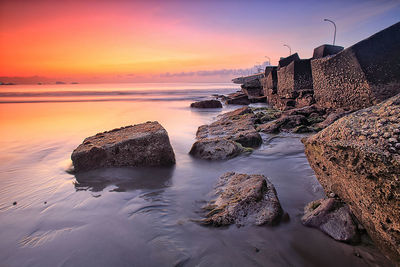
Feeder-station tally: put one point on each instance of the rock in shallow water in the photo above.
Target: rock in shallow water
(206, 104)
(145, 144)
(355, 158)
(215, 149)
(333, 218)
(244, 199)
(237, 125)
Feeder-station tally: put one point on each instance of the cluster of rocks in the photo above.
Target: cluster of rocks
(300, 120)
(358, 158)
(239, 130)
(243, 199)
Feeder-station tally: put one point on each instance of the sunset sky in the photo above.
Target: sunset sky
(169, 41)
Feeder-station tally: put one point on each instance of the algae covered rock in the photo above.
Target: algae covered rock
(237, 125)
(215, 149)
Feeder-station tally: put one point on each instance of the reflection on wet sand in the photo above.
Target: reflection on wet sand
(124, 179)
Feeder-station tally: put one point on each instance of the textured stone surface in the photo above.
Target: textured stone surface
(326, 50)
(237, 125)
(358, 158)
(304, 98)
(270, 85)
(145, 144)
(215, 149)
(244, 199)
(294, 77)
(361, 75)
(253, 88)
(206, 104)
(264, 115)
(333, 218)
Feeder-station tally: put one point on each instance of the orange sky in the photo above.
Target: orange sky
(139, 41)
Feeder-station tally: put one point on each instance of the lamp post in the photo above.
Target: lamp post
(334, 25)
(290, 49)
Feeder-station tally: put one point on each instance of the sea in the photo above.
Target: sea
(144, 216)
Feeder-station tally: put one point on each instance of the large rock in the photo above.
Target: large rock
(358, 158)
(237, 125)
(361, 75)
(244, 199)
(145, 144)
(215, 149)
(333, 218)
(206, 104)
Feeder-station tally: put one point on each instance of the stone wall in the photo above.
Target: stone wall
(286, 81)
(340, 82)
(294, 77)
(270, 84)
(361, 75)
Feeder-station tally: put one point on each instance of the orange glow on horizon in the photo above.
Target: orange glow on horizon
(76, 42)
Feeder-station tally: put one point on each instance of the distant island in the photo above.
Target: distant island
(1, 83)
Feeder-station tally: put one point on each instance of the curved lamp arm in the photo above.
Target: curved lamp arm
(334, 25)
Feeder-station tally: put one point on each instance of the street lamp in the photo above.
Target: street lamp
(290, 49)
(334, 35)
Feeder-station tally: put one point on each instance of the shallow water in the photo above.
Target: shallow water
(142, 217)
